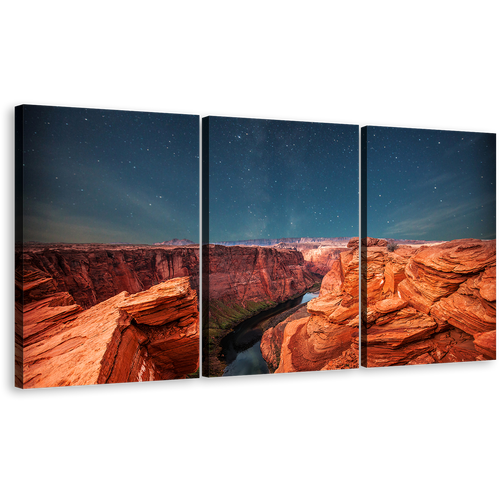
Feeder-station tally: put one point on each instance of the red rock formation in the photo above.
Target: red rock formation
(332, 281)
(425, 305)
(485, 343)
(437, 271)
(398, 336)
(370, 242)
(255, 274)
(152, 335)
(394, 271)
(432, 304)
(272, 340)
(328, 338)
(320, 260)
(93, 273)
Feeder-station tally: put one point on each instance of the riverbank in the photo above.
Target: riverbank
(276, 320)
(272, 337)
(225, 319)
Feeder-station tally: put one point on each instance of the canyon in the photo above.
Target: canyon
(319, 253)
(65, 293)
(433, 303)
(151, 335)
(252, 274)
(95, 313)
(91, 273)
(92, 314)
(241, 281)
(320, 260)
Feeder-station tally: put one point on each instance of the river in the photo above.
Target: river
(240, 349)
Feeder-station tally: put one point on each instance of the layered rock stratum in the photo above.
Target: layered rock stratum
(319, 253)
(149, 335)
(243, 274)
(89, 314)
(425, 304)
(240, 281)
(244, 277)
(91, 273)
(321, 259)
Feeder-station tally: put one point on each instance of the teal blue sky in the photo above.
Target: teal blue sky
(430, 184)
(279, 179)
(106, 176)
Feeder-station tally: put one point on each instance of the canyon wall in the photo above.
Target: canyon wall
(150, 335)
(93, 273)
(244, 274)
(429, 304)
(57, 283)
(320, 260)
(245, 277)
(311, 342)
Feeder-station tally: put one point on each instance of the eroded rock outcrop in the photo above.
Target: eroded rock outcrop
(320, 260)
(425, 304)
(245, 278)
(327, 338)
(151, 335)
(370, 242)
(450, 306)
(253, 273)
(91, 273)
(272, 340)
(438, 271)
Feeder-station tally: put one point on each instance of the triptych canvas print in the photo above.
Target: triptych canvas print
(301, 247)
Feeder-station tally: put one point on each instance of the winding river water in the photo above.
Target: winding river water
(241, 347)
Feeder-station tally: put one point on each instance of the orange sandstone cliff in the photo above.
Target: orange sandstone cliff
(238, 282)
(320, 260)
(427, 304)
(252, 274)
(327, 338)
(150, 335)
(91, 273)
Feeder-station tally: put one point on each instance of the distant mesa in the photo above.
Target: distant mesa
(176, 242)
(285, 242)
(380, 242)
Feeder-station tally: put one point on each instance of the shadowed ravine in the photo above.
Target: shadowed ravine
(241, 348)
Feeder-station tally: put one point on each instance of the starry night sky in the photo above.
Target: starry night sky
(101, 176)
(116, 176)
(281, 179)
(430, 184)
